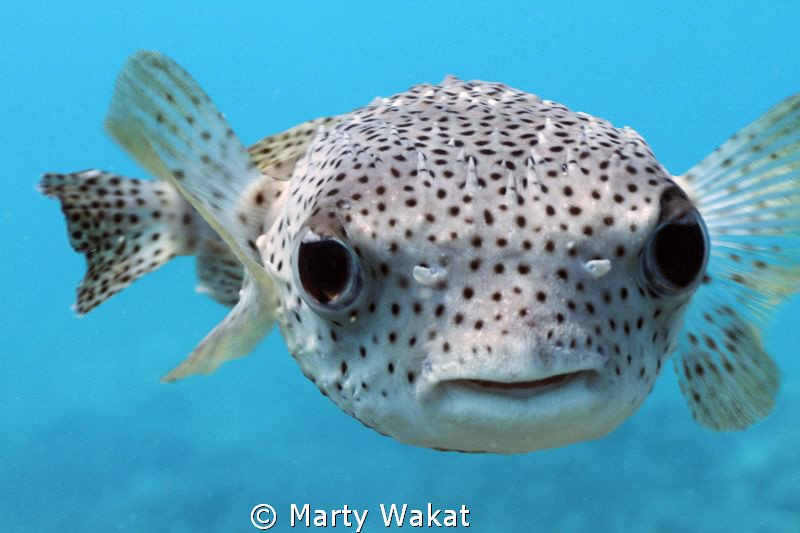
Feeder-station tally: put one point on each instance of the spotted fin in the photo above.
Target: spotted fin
(124, 227)
(277, 154)
(165, 120)
(748, 192)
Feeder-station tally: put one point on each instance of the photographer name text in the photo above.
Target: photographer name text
(264, 517)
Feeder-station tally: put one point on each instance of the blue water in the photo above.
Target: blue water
(91, 441)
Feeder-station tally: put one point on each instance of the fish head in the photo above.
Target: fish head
(468, 267)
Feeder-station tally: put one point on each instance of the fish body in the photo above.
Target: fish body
(476, 209)
(462, 266)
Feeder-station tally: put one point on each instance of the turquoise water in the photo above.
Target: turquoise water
(91, 440)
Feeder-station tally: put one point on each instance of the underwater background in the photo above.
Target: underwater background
(92, 441)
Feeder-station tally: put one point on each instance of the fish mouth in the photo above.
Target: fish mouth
(513, 408)
(517, 389)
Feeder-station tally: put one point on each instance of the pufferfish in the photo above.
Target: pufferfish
(461, 266)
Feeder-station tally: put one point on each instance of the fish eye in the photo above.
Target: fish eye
(328, 272)
(676, 255)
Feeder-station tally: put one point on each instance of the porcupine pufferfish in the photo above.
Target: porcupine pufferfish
(461, 266)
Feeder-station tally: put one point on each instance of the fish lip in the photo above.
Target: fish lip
(554, 379)
(591, 364)
(517, 388)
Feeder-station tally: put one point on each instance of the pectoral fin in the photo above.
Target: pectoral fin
(748, 192)
(164, 119)
(236, 336)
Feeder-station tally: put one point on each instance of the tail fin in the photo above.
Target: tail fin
(748, 192)
(124, 227)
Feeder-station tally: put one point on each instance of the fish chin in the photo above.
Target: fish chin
(476, 415)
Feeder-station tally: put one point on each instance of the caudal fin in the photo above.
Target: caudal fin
(748, 192)
(124, 227)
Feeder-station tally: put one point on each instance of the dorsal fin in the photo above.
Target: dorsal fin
(277, 154)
